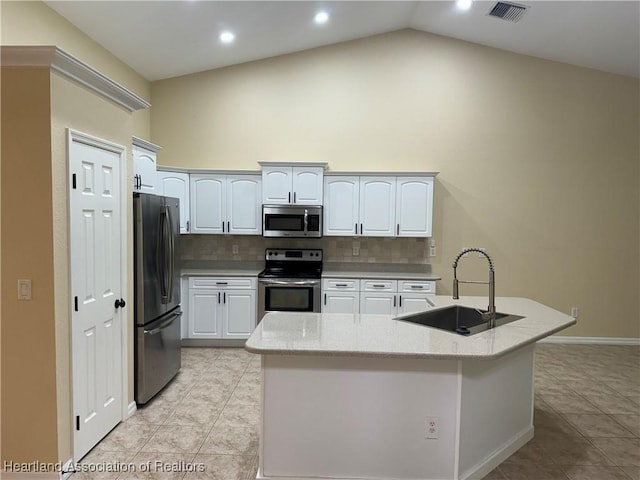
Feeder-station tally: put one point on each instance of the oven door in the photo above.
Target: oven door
(288, 295)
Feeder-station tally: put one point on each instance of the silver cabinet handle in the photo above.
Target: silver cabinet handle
(394, 300)
(341, 285)
(294, 197)
(188, 225)
(356, 228)
(417, 287)
(377, 285)
(222, 283)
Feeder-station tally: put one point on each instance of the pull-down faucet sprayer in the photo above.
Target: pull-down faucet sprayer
(490, 315)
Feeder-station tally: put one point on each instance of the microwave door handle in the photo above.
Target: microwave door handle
(306, 220)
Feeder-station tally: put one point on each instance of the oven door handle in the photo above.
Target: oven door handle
(285, 282)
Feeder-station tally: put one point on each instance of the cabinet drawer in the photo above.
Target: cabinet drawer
(378, 285)
(340, 284)
(418, 286)
(219, 282)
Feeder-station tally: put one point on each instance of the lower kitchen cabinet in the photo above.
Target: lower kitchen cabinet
(376, 296)
(221, 308)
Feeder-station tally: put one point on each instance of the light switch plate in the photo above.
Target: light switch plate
(24, 289)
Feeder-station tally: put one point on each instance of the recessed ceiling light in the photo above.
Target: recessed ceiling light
(464, 4)
(321, 17)
(227, 37)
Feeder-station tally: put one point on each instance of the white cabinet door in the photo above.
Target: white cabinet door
(341, 205)
(144, 170)
(239, 313)
(208, 204)
(414, 207)
(412, 302)
(341, 302)
(244, 210)
(378, 303)
(307, 185)
(377, 206)
(205, 313)
(282, 185)
(173, 184)
(276, 185)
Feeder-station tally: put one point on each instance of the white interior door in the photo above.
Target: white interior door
(96, 284)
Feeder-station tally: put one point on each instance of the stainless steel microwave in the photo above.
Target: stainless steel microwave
(291, 221)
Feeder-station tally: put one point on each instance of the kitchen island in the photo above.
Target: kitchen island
(366, 396)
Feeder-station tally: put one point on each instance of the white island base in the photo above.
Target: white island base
(346, 417)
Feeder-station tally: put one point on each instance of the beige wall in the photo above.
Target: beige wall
(29, 429)
(34, 23)
(75, 107)
(538, 161)
(36, 394)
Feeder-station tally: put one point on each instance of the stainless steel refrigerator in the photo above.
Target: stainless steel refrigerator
(157, 293)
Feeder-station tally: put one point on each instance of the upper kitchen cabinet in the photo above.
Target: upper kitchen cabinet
(414, 206)
(359, 206)
(378, 205)
(226, 204)
(176, 184)
(144, 165)
(287, 184)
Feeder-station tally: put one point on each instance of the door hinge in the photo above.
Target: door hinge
(78, 422)
(75, 303)
(73, 181)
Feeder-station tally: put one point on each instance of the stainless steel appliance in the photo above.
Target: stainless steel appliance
(290, 281)
(291, 221)
(157, 293)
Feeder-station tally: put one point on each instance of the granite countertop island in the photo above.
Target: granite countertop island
(367, 396)
(380, 335)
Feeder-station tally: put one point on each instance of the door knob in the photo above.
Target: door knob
(120, 303)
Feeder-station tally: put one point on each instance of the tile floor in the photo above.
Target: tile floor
(587, 420)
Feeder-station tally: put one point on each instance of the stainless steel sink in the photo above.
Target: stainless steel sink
(457, 319)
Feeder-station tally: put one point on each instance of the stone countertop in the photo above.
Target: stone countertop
(387, 271)
(212, 268)
(382, 336)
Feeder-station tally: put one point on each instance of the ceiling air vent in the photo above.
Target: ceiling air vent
(511, 12)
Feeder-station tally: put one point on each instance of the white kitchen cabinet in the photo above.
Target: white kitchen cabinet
(414, 206)
(244, 210)
(176, 184)
(376, 296)
(226, 204)
(378, 206)
(340, 295)
(221, 308)
(341, 206)
(287, 185)
(204, 313)
(144, 165)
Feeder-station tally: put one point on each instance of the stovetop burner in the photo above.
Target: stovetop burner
(292, 263)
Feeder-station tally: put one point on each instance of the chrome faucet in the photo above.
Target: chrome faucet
(490, 314)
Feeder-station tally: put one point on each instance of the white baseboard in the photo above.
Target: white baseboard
(590, 340)
(131, 409)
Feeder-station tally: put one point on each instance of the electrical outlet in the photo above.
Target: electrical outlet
(356, 251)
(574, 312)
(432, 427)
(234, 249)
(432, 251)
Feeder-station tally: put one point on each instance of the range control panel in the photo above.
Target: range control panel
(294, 254)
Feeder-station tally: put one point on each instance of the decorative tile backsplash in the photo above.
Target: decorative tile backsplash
(335, 249)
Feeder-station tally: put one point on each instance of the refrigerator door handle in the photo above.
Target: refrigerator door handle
(171, 253)
(164, 325)
(160, 259)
